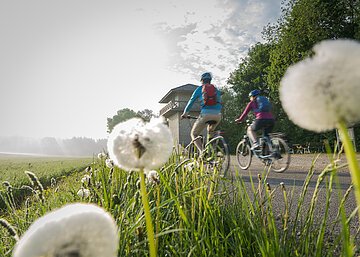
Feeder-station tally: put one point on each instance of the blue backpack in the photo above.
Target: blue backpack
(263, 104)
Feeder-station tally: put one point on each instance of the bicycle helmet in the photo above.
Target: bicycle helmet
(206, 76)
(254, 92)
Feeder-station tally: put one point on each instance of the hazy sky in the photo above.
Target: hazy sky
(67, 65)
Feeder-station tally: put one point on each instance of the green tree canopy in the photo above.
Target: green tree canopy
(303, 23)
(125, 114)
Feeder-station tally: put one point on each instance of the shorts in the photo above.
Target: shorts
(201, 123)
(266, 124)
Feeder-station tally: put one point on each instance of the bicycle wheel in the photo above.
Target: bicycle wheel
(218, 154)
(280, 155)
(243, 154)
(191, 151)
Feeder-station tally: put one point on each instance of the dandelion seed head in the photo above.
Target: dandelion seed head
(101, 155)
(109, 163)
(135, 145)
(282, 185)
(78, 229)
(152, 177)
(53, 182)
(268, 187)
(83, 193)
(320, 91)
(86, 180)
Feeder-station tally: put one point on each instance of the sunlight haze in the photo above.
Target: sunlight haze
(66, 66)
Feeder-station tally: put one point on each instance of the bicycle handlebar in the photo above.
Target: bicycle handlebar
(190, 117)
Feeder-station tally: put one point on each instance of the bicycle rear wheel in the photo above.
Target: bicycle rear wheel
(243, 154)
(218, 154)
(280, 156)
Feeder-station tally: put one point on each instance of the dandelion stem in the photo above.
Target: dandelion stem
(149, 225)
(353, 163)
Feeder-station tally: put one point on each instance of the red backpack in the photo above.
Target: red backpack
(209, 93)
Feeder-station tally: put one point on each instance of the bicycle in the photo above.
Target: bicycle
(215, 150)
(273, 152)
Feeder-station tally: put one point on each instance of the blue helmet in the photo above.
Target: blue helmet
(206, 76)
(254, 92)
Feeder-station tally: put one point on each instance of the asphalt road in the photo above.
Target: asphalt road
(295, 175)
(293, 179)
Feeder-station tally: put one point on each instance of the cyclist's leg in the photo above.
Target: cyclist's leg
(197, 130)
(212, 117)
(251, 131)
(268, 127)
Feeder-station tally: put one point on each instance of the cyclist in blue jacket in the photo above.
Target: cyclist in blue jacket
(208, 112)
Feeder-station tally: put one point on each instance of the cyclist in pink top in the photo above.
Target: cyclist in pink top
(264, 119)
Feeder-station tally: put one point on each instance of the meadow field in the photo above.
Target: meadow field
(12, 167)
(195, 211)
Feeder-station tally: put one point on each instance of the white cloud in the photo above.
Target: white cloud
(214, 35)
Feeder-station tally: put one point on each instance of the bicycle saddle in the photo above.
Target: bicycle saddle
(211, 122)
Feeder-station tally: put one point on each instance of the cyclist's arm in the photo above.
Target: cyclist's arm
(248, 108)
(196, 94)
(218, 96)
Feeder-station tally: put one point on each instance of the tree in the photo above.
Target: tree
(146, 114)
(121, 116)
(230, 111)
(303, 23)
(125, 114)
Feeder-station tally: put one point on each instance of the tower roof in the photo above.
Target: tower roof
(184, 88)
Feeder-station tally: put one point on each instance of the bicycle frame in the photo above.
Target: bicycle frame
(215, 147)
(278, 157)
(207, 142)
(258, 153)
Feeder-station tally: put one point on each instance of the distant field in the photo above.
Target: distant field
(12, 167)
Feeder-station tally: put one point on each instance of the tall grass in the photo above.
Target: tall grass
(196, 212)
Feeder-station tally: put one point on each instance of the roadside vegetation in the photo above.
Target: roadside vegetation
(195, 212)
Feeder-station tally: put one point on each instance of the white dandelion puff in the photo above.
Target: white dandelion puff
(319, 92)
(152, 177)
(101, 155)
(86, 180)
(74, 230)
(192, 165)
(83, 193)
(135, 145)
(109, 163)
(322, 93)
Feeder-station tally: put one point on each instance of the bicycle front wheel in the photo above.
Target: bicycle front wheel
(280, 155)
(243, 154)
(219, 153)
(191, 151)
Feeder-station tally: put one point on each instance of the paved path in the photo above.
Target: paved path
(296, 173)
(294, 178)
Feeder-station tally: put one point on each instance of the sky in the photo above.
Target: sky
(68, 65)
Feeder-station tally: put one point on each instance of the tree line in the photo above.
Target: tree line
(302, 24)
(76, 146)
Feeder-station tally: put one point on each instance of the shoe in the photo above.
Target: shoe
(277, 156)
(255, 146)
